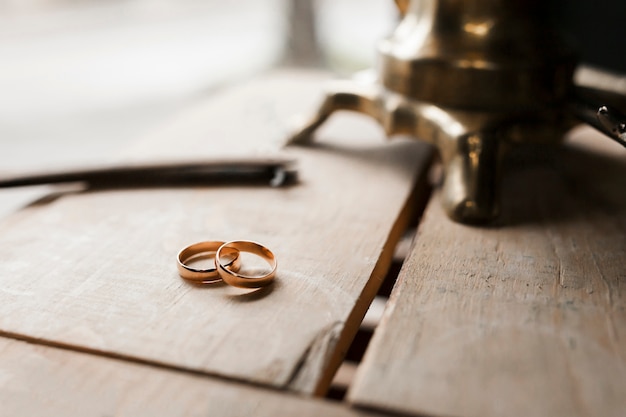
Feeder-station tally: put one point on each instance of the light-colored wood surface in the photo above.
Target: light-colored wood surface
(43, 381)
(95, 271)
(526, 318)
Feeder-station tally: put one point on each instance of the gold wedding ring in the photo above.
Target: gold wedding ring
(205, 249)
(232, 277)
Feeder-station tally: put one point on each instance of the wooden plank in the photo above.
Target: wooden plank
(527, 318)
(42, 381)
(96, 270)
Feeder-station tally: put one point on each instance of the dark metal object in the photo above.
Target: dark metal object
(613, 124)
(274, 172)
(596, 112)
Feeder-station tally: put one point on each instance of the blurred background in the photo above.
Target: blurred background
(80, 78)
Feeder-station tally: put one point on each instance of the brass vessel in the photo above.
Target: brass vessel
(472, 77)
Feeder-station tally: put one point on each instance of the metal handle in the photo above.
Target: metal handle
(601, 109)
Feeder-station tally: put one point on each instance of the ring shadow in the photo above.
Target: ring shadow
(205, 284)
(250, 295)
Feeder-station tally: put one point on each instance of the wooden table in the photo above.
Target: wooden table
(526, 317)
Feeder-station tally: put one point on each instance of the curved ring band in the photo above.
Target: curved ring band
(200, 250)
(235, 279)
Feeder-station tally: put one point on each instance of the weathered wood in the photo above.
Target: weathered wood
(96, 270)
(42, 381)
(527, 318)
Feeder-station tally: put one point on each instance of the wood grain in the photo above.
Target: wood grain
(525, 318)
(95, 271)
(43, 381)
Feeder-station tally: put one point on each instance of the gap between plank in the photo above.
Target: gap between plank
(409, 216)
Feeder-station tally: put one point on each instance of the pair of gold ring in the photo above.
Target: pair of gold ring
(227, 263)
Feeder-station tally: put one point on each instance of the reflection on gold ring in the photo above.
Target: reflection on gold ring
(202, 250)
(232, 277)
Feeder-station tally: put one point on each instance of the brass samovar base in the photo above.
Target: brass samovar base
(473, 78)
(471, 143)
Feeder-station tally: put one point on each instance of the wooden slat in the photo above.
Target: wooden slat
(96, 270)
(527, 318)
(43, 381)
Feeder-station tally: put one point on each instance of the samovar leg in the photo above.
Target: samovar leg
(471, 165)
(470, 152)
(366, 98)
